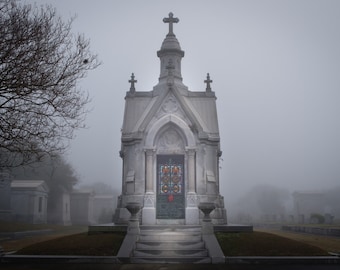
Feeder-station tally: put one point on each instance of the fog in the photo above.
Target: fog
(275, 70)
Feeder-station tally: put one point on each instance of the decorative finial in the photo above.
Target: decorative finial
(170, 21)
(208, 81)
(132, 81)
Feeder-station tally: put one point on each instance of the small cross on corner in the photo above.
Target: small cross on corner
(132, 81)
(208, 82)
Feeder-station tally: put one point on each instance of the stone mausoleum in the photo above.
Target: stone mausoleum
(170, 147)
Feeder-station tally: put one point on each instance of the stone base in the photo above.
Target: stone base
(191, 216)
(149, 216)
(133, 227)
(111, 227)
(121, 216)
(170, 221)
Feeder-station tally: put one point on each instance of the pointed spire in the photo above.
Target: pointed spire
(170, 50)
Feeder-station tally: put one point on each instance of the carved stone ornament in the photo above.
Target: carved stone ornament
(170, 105)
(149, 200)
(171, 140)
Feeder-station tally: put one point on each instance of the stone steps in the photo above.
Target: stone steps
(170, 236)
(154, 245)
(170, 245)
(171, 252)
(171, 260)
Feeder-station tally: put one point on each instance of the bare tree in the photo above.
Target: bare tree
(41, 62)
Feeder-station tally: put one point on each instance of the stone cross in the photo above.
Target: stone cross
(132, 81)
(208, 81)
(170, 21)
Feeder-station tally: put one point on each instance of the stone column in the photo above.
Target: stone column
(149, 210)
(191, 210)
(191, 170)
(149, 171)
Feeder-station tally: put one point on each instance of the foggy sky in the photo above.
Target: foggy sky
(275, 70)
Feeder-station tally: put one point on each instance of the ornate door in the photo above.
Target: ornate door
(170, 187)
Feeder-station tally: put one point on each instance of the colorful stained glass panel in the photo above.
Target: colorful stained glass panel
(170, 178)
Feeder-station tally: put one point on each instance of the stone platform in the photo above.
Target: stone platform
(170, 243)
(111, 227)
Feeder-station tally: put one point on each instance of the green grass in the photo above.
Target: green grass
(232, 244)
(264, 244)
(7, 227)
(78, 244)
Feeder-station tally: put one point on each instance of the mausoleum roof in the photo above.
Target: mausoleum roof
(27, 183)
(170, 96)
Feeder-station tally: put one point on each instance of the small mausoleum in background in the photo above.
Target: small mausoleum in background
(29, 201)
(170, 147)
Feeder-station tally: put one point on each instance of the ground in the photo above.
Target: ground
(277, 243)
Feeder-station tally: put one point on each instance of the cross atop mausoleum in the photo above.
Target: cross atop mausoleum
(170, 21)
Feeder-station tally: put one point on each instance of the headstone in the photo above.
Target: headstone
(170, 146)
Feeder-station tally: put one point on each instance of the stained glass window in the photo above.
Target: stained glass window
(170, 178)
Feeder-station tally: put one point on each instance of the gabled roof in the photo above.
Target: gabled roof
(198, 107)
(29, 184)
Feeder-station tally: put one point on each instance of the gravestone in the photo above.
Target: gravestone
(170, 146)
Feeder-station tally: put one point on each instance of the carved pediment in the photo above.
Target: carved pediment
(170, 141)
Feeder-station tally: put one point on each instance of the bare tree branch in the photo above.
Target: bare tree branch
(41, 63)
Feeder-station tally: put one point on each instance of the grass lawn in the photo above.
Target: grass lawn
(15, 244)
(331, 244)
(232, 244)
(264, 244)
(73, 240)
(9, 227)
(78, 244)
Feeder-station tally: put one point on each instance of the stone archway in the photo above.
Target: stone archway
(163, 122)
(169, 142)
(170, 179)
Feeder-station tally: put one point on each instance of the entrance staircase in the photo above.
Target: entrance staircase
(170, 244)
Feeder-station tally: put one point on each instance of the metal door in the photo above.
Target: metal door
(170, 187)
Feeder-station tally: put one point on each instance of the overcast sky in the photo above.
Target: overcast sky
(275, 69)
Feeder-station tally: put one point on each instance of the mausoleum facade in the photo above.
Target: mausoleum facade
(170, 146)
